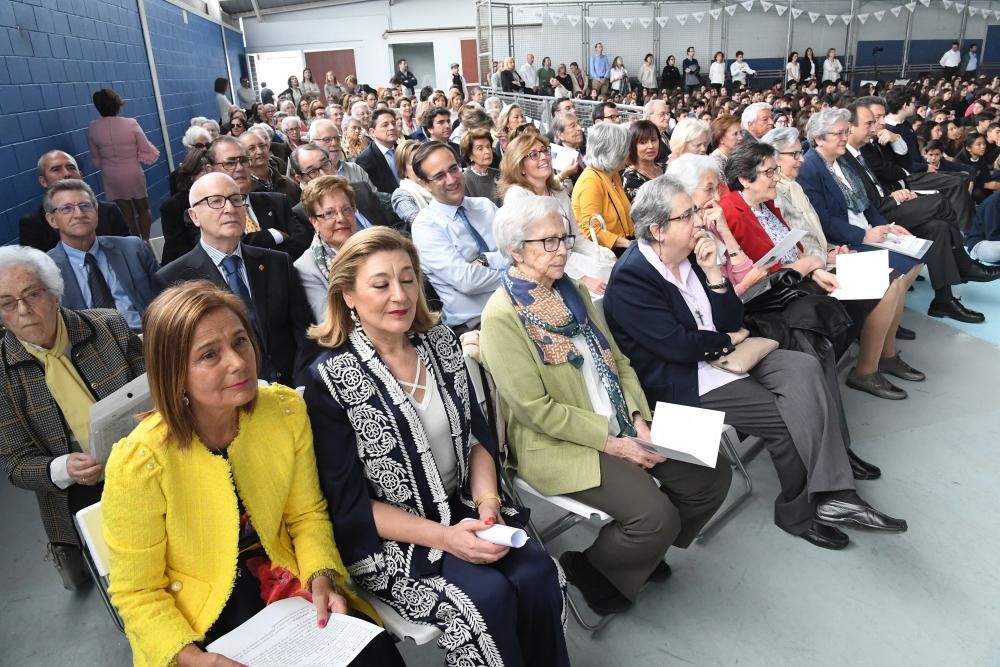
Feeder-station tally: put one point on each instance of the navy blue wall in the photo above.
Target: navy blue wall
(55, 53)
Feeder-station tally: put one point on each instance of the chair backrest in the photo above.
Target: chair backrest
(490, 403)
(90, 522)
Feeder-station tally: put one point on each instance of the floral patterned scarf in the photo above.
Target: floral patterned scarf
(323, 254)
(551, 317)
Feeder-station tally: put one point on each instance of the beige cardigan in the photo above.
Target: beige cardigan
(553, 431)
(799, 214)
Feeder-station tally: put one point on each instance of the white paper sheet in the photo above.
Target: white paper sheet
(112, 418)
(684, 433)
(562, 157)
(911, 246)
(505, 536)
(862, 275)
(285, 633)
(781, 247)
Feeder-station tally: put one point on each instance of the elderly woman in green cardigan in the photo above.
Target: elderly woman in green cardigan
(571, 401)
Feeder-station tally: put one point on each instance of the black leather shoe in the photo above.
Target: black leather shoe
(955, 310)
(974, 272)
(857, 515)
(861, 469)
(599, 593)
(902, 333)
(660, 574)
(876, 385)
(896, 366)
(826, 537)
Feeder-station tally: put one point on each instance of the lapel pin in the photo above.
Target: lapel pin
(270, 214)
(260, 267)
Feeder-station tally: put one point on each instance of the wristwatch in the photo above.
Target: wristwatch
(482, 260)
(722, 285)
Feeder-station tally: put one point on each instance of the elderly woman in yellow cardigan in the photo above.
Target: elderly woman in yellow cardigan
(212, 506)
(599, 190)
(572, 401)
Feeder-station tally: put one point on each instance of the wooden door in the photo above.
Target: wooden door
(340, 62)
(470, 61)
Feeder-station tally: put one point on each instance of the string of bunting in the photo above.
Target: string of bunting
(644, 23)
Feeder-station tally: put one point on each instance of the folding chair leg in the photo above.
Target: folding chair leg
(730, 448)
(102, 588)
(593, 628)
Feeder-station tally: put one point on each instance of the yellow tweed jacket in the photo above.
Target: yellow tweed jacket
(171, 521)
(552, 429)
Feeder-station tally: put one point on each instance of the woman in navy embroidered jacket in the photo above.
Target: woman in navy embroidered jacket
(405, 455)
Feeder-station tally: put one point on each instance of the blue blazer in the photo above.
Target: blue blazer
(655, 329)
(134, 265)
(986, 225)
(831, 207)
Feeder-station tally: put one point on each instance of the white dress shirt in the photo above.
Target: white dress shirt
(529, 74)
(738, 71)
(717, 73)
(832, 69)
(951, 58)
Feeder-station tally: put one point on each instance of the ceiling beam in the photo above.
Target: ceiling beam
(256, 10)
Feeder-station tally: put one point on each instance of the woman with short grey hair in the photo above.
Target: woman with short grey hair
(194, 136)
(672, 311)
(56, 363)
(600, 203)
(822, 123)
(572, 401)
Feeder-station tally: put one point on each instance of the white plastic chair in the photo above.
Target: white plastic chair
(399, 627)
(89, 522)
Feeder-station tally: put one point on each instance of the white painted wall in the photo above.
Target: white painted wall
(365, 28)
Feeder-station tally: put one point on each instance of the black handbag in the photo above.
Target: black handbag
(783, 287)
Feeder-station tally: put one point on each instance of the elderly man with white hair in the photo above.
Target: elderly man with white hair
(325, 134)
(56, 363)
(657, 113)
(756, 121)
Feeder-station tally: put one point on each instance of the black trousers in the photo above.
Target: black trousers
(953, 186)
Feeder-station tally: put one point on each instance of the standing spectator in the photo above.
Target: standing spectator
(405, 77)
(246, 96)
(332, 90)
(739, 69)
(832, 67)
(970, 63)
(495, 78)
(545, 76)
(808, 66)
(309, 86)
(670, 77)
(529, 74)
(793, 71)
(510, 80)
(565, 80)
(579, 80)
(717, 71)
(293, 92)
(457, 80)
(266, 94)
(692, 69)
(117, 145)
(222, 103)
(619, 76)
(600, 70)
(647, 74)
(950, 61)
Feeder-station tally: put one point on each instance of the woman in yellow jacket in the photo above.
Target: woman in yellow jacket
(599, 190)
(212, 506)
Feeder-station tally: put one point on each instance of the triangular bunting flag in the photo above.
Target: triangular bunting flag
(912, 5)
(925, 3)
(895, 11)
(862, 18)
(681, 18)
(796, 13)
(573, 19)
(973, 10)
(645, 21)
(715, 13)
(959, 7)
(996, 13)
(591, 21)
(947, 3)
(879, 14)
(698, 16)
(765, 5)
(830, 18)
(748, 5)
(846, 18)
(781, 9)
(730, 9)
(556, 18)
(662, 20)
(813, 16)
(628, 22)
(608, 23)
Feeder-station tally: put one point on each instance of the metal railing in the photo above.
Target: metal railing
(539, 107)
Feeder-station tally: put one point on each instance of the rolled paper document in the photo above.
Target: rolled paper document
(506, 536)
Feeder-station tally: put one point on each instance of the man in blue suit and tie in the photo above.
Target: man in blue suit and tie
(107, 272)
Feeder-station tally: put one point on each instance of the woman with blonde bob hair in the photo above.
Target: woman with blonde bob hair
(690, 136)
(212, 506)
(408, 466)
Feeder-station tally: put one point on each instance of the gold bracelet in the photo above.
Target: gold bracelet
(483, 498)
(329, 574)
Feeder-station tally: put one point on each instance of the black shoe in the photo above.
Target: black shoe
(599, 593)
(896, 366)
(974, 272)
(954, 309)
(876, 385)
(857, 515)
(921, 279)
(861, 469)
(826, 537)
(902, 333)
(660, 574)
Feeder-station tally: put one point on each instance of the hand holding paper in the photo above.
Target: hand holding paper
(505, 536)
(684, 433)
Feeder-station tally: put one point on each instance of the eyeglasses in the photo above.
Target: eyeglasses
(324, 140)
(551, 243)
(68, 209)
(686, 215)
(616, 118)
(534, 156)
(842, 133)
(219, 201)
(453, 170)
(317, 170)
(769, 173)
(240, 125)
(795, 155)
(231, 164)
(203, 146)
(333, 213)
(30, 299)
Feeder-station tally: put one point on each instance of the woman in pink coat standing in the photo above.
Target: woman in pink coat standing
(117, 145)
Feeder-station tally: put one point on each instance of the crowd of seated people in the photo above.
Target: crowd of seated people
(343, 240)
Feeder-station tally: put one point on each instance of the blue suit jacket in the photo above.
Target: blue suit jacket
(831, 207)
(134, 265)
(654, 327)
